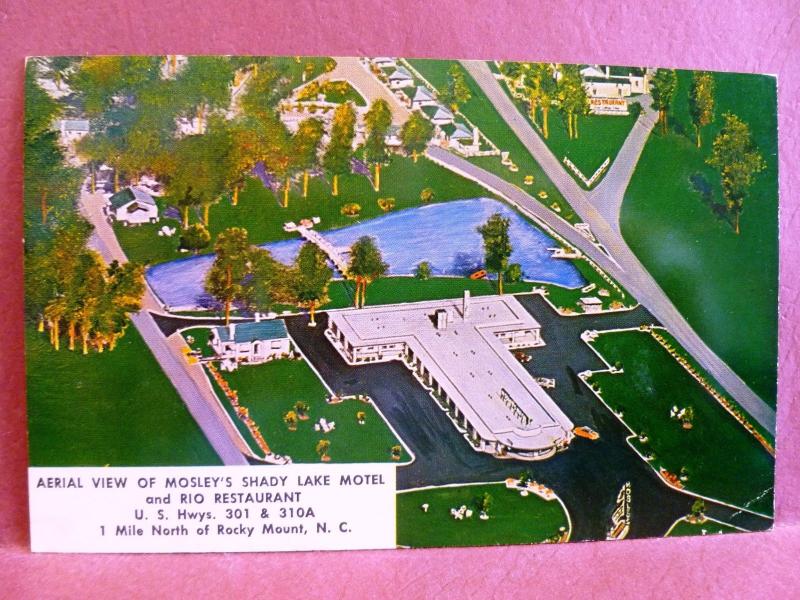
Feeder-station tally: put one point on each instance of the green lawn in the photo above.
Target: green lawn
(684, 240)
(708, 527)
(261, 214)
(599, 136)
(115, 408)
(482, 113)
(349, 95)
(722, 459)
(513, 519)
(271, 389)
(569, 298)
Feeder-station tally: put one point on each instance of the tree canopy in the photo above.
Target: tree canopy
(310, 278)
(416, 133)
(496, 245)
(366, 265)
(701, 101)
(662, 88)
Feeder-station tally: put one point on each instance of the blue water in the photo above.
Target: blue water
(443, 234)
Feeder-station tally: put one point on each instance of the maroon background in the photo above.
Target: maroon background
(731, 35)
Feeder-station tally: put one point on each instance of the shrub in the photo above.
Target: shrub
(195, 237)
(351, 209)
(386, 204)
(423, 270)
(514, 273)
(427, 194)
(330, 65)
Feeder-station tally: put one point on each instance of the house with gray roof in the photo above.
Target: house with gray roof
(132, 206)
(422, 97)
(250, 343)
(400, 78)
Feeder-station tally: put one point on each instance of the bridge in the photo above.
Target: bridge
(336, 255)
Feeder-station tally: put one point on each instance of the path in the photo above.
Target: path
(366, 84)
(624, 267)
(189, 380)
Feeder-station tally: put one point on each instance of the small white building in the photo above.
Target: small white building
(132, 206)
(250, 343)
(605, 81)
(422, 97)
(400, 78)
(440, 115)
(392, 138)
(591, 304)
(384, 62)
(71, 130)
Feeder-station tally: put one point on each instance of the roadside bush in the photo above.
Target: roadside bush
(386, 204)
(427, 194)
(351, 209)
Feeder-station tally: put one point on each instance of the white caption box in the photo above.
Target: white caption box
(212, 509)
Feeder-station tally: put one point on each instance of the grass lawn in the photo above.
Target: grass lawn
(600, 137)
(513, 519)
(271, 389)
(686, 242)
(569, 298)
(261, 214)
(722, 459)
(482, 113)
(115, 408)
(682, 528)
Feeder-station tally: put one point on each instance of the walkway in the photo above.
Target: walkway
(366, 84)
(335, 254)
(189, 380)
(624, 267)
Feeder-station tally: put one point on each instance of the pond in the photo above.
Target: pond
(443, 234)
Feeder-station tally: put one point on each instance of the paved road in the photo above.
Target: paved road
(188, 380)
(625, 266)
(587, 476)
(351, 69)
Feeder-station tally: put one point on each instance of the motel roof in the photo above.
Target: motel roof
(130, 194)
(471, 364)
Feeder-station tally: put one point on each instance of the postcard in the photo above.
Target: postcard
(303, 303)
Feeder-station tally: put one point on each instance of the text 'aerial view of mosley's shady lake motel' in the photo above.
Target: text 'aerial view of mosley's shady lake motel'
(544, 294)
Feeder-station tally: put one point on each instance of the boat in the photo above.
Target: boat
(586, 432)
(621, 517)
(479, 274)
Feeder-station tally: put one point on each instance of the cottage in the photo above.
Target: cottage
(400, 78)
(422, 97)
(439, 115)
(71, 130)
(384, 62)
(461, 134)
(251, 343)
(132, 206)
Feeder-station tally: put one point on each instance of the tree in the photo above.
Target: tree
(572, 97)
(366, 265)
(205, 85)
(662, 88)
(58, 68)
(268, 281)
(738, 160)
(377, 121)
(698, 507)
(102, 81)
(423, 271)
(427, 194)
(457, 91)
(198, 180)
(306, 142)
(701, 101)
(484, 503)
(47, 178)
(542, 91)
(416, 133)
(226, 279)
(340, 148)
(514, 273)
(195, 237)
(496, 245)
(323, 447)
(311, 277)
(513, 71)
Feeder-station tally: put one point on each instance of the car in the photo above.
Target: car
(522, 357)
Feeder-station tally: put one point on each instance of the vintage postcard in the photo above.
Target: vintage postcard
(298, 303)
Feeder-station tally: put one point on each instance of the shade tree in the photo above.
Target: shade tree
(339, 151)
(377, 122)
(415, 134)
(662, 89)
(701, 101)
(496, 245)
(366, 265)
(310, 278)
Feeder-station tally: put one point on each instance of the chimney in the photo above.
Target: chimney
(258, 317)
(465, 305)
(231, 330)
(476, 139)
(441, 318)
(608, 71)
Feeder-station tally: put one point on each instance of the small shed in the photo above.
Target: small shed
(591, 304)
(132, 206)
(400, 78)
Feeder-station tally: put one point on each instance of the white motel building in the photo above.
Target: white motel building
(461, 351)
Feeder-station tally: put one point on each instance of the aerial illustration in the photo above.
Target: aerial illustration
(546, 293)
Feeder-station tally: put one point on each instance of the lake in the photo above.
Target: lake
(443, 234)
